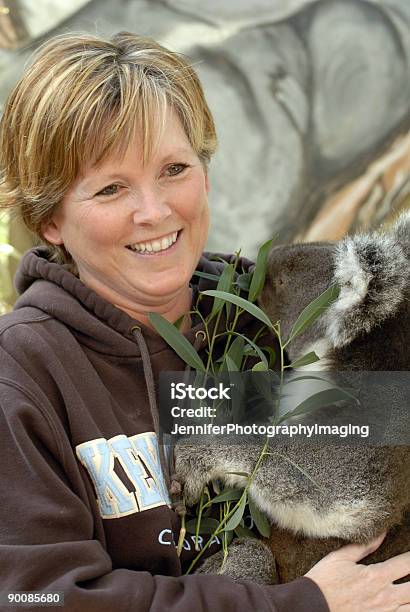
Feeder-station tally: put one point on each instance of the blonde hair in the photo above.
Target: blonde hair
(82, 98)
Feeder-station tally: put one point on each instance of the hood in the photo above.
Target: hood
(51, 288)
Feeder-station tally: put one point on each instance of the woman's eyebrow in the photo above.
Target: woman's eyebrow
(90, 181)
(99, 174)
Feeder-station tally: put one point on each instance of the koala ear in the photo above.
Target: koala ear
(372, 271)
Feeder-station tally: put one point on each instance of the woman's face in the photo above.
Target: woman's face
(137, 232)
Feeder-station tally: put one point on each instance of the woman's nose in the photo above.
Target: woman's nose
(151, 207)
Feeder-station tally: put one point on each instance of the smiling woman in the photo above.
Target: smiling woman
(136, 230)
(104, 151)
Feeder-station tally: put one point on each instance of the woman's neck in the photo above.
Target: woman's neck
(171, 311)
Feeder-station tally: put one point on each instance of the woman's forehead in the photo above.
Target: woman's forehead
(171, 140)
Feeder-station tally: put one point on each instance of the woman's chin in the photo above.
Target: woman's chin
(175, 284)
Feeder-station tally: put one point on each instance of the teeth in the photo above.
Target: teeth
(155, 245)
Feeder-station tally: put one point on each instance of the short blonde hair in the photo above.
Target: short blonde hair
(81, 98)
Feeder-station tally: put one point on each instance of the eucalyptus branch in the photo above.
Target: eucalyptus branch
(228, 515)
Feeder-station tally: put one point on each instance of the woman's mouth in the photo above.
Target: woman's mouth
(159, 246)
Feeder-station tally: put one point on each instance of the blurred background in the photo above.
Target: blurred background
(311, 100)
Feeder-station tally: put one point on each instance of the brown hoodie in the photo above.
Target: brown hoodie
(84, 506)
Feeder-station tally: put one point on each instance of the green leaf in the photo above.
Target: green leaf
(213, 277)
(207, 525)
(308, 377)
(259, 273)
(272, 355)
(239, 474)
(178, 322)
(305, 360)
(238, 301)
(235, 351)
(259, 519)
(177, 341)
(313, 311)
(227, 495)
(224, 284)
(244, 532)
(260, 367)
(317, 400)
(237, 516)
(254, 347)
(243, 281)
(230, 364)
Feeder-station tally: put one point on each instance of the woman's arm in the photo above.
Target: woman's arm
(48, 540)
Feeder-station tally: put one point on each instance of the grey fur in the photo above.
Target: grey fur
(363, 489)
(243, 553)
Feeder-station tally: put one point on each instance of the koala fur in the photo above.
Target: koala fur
(364, 489)
(243, 552)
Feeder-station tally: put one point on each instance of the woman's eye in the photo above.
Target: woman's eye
(175, 169)
(109, 190)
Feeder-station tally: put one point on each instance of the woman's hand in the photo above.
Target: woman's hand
(350, 587)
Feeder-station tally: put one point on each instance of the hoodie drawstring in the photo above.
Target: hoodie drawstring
(172, 484)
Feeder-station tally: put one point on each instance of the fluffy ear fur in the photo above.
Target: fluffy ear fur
(372, 271)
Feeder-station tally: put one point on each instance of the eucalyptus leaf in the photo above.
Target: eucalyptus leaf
(307, 377)
(243, 281)
(224, 284)
(178, 322)
(230, 364)
(305, 360)
(177, 341)
(235, 351)
(244, 532)
(260, 519)
(238, 301)
(206, 275)
(313, 311)
(249, 350)
(227, 495)
(207, 525)
(237, 515)
(259, 273)
(318, 400)
(254, 347)
(272, 355)
(260, 367)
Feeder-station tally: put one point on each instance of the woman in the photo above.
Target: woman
(104, 153)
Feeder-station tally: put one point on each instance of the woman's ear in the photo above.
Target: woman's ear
(50, 230)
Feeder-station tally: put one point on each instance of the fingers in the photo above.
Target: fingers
(405, 608)
(395, 568)
(356, 552)
(402, 591)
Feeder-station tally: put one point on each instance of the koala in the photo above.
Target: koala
(323, 495)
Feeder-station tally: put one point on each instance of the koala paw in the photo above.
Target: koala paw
(193, 470)
(248, 560)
